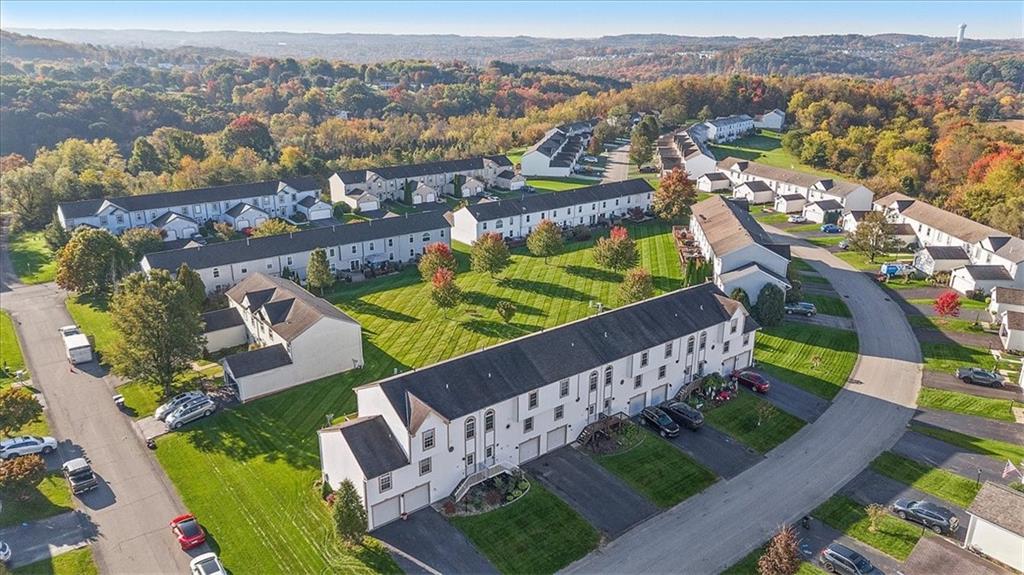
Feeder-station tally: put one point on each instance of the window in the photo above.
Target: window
(593, 381)
(471, 428)
(638, 380)
(590, 410)
(559, 412)
(384, 482)
(270, 265)
(428, 439)
(499, 224)
(746, 339)
(608, 375)
(371, 246)
(563, 388)
(391, 242)
(331, 253)
(442, 233)
(643, 359)
(489, 451)
(489, 420)
(289, 260)
(216, 273)
(425, 466)
(426, 236)
(244, 270)
(485, 225)
(527, 217)
(725, 347)
(733, 325)
(353, 249)
(703, 340)
(470, 459)
(689, 345)
(607, 403)
(661, 372)
(528, 425)
(412, 253)
(668, 349)
(532, 401)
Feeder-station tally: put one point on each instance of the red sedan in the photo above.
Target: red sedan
(752, 380)
(190, 534)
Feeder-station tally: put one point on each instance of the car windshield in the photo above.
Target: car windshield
(664, 419)
(208, 566)
(189, 527)
(863, 565)
(80, 473)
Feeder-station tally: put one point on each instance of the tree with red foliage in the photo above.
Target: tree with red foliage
(618, 251)
(672, 200)
(246, 131)
(437, 256)
(444, 292)
(948, 304)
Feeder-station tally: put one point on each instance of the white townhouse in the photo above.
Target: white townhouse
(754, 192)
(516, 217)
(179, 215)
(770, 120)
(979, 257)
(365, 189)
(421, 434)
(713, 182)
(788, 184)
(728, 128)
(559, 151)
(686, 149)
(294, 336)
(742, 254)
(996, 526)
(1005, 299)
(348, 247)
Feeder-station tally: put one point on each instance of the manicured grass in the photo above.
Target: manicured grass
(806, 228)
(11, 359)
(826, 241)
(813, 279)
(739, 418)
(766, 148)
(559, 184)
(945, 323)
(893, 536)
(998, 450)
(769, 218)
(75, 562)
(51, 496)
(748, 566)
(515, 155)
(937, 482)
(659, 471)
(143, 397)
(91, 316)
(946, 357)
(966, 404)
(860, 261)
(818, 359)
(829, 305)
(965, 304)
(537, 534)
(32, 259)
(802, 266)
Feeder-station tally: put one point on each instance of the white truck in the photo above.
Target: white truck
(76, 345)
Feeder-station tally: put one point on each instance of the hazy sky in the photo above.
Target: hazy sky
(588, 18)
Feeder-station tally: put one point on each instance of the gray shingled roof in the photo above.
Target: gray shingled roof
(988, 272)
(373, 445)
(947, 253)
(715, 176)
(288, 307)
(81, 208)
(242, 207)
(1001, 506)
(1007, 295)
(259, 360)
(541, 202)
(828, 205)
(727, 226)
(164, 219)
(756, 186)
(219, 319)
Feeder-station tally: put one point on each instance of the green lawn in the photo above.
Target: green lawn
(51, 496)
(515, 155)
(965, 304)
(946, 357)
(32, 259)
(91, 316)
(748, 566)
(659, 471)
(143, 397)
(818, 359)
(739, 416)
(937, 482)
(893, 536)
(998, 450)
(804, 228)
(826, 241)
(11, 359)
(769, 218)
(945, 323)
(813, 279)
(537, 534)
(829, 305)
(559, 184)
(802, 266)
(766, 148)
(966, 404)
(75, 562)
(860, 261)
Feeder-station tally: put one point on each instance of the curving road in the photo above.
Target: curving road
(711, 531)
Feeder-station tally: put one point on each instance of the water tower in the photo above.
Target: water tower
(960, 33)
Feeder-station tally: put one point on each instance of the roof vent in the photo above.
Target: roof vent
(247, 241)
(605, 334)
(488, 375)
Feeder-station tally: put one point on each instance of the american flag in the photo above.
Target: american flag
(1011, 468)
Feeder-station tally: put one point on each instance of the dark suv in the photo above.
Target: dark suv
(978, 376)
(659, 420)
(683, 414)
(937, 518)
(838, 558)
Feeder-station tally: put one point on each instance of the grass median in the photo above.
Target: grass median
(659, 471)
(966, 404)
(10, 350)
(938, 482)
(998, 450)
(892, 536)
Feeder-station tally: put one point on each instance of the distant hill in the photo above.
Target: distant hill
(27, 47)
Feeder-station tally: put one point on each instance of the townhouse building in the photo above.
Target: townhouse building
(728, 128)
(179, 215)
(797, 192)
(742, 254)
(770, 120)
(349, 247)
(686, 149)
(516, 217)
(558, 152)
(421, 434)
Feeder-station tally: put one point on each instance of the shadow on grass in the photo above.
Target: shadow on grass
(362, 306)
(488, 302)
(36, 502)
(545, 288)
(497, 329)
(593, 273)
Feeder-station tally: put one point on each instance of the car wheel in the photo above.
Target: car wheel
(208, 413)
(789, 312)
(901, 515)
(830, 568)
(937, 529)
(966, 380)
(176, 425)
(662, 433)
(47, 450)
(643, 421)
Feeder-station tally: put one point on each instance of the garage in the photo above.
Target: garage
(658, 394)
(170, 235)
(320, 213)
(739, 362)
(556, 438)
(260, 221)
(529, 449)
(242, 223)
(189, 232)
(385, 511)
(417, 498)
(636, 404)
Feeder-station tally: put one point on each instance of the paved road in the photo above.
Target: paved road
(617, 168)
(46, 538)
(731, 518)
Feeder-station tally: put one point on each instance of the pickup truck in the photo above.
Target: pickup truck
(79, 475)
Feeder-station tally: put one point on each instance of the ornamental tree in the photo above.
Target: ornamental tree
(617, 252)
(489, 254)
(673, 199)
(782, 554)
(545, 240)
(437, 255)
(636, 286)
(444, 292)
(273, 227)
(20, 474)
(740, 295)
(17, 409)
(947, 304)
(349, 514)
(506, 310)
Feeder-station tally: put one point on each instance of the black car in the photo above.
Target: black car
(683, 414)
(937, 518)
(659, 420)
(838, 558)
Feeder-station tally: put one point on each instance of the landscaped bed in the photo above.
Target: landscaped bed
(818, 359)
(999, 409)
(753, 421)
(937, 482)
(500, 490)
(893, 536)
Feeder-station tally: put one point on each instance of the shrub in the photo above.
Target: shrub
(770, 306)
(349, 513)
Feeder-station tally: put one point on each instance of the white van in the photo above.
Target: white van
(76, 345)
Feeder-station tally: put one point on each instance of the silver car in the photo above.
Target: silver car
(191, 411)
(174, 403)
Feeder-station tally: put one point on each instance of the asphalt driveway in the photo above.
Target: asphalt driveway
(793, 400)
(871, 487)
(973, 426)
(717, 451)
(40, 540)
(931, 451)
(820, 535)
(595, 493)
(426, 538)
(949, 382)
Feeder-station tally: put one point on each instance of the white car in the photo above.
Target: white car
(797, 219)
(5, 552)
(174, 403)
(590, 159)
(26, 445)
(207, 564)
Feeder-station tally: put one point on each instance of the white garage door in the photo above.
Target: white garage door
(658, 394)
(417, 498)
(556, 438)
(319, 214)
(189, 232)
(241, 224)
(385, 511)
(260, 220)
(529, 449)
(636, 403)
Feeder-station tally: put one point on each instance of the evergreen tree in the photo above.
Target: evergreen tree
(318, 273)
(770, 306)
(545, 240)
(195, 290)
(349, 514)
(740, 295)
(144, 158)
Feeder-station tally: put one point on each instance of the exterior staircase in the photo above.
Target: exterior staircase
(479, 477)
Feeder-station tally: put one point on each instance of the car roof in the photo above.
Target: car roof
(928, 505)
(76, 463)
(843, 550)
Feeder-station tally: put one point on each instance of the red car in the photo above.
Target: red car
(190, 534)
(752, 380)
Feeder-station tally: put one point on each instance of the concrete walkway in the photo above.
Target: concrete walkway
(47, 538)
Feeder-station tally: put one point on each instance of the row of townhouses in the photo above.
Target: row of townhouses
(179, 215)
(517, 217)
(558, 153)
(420, 434)
(348, 246)
(742, 254)
(423, 183)
(1006, 307)
(687, 148)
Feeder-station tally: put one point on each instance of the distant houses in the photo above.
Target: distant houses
(687, 148)
(557, 154)
(798, 192)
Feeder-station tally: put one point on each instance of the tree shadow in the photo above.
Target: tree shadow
(545, 288)
(666, 284)
(364, 307)
(488, 301)
(593, 273)
(496, 329)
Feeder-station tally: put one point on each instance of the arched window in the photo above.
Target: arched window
(489, 420)
(593, 381)
(471, 428)
(608, 375)
(689, 345)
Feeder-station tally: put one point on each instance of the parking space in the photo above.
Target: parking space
(937, 555)
(819, 535)
(972, 425)
(949, 382)
(871, 487)
(594, 492)
(426, 538)
(722, 454)
(954, 459)
(794, 400)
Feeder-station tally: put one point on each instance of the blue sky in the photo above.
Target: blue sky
(550, 19)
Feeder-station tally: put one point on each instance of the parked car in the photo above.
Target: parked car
(838, 558)
(796, 219)
(188, 531)
(190, 411)
(684, 414)
(831, 229)
(978, 376)
(590, 159)
(659, 420)
(5, 553)
(174, 403)
(26, 445)
(753, 380)
(843, 244)
(648, 170)
(207, 564)
(79, 475)
(935, 517)
(801, 308)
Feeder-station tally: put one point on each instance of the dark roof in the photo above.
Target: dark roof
(756, 266)
(538, 202)
(308, 201)
(352, 176)
(221, 319)
(1001, 506)
(716, 176)
(506, 175)
(756, 186)
(200, 195)
(258, 360)
(727, 226)
(1007, 295)
(223, 253)
(168, 216)
(902, 229)
(1014, 320)
(304, 183)
(242, 207)
(288, 307)
(471, 382)
(81, 208)
(442, 166)
(373, 445)
(794, 197)
(828, 205)
(947, 253)
(988, 272)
